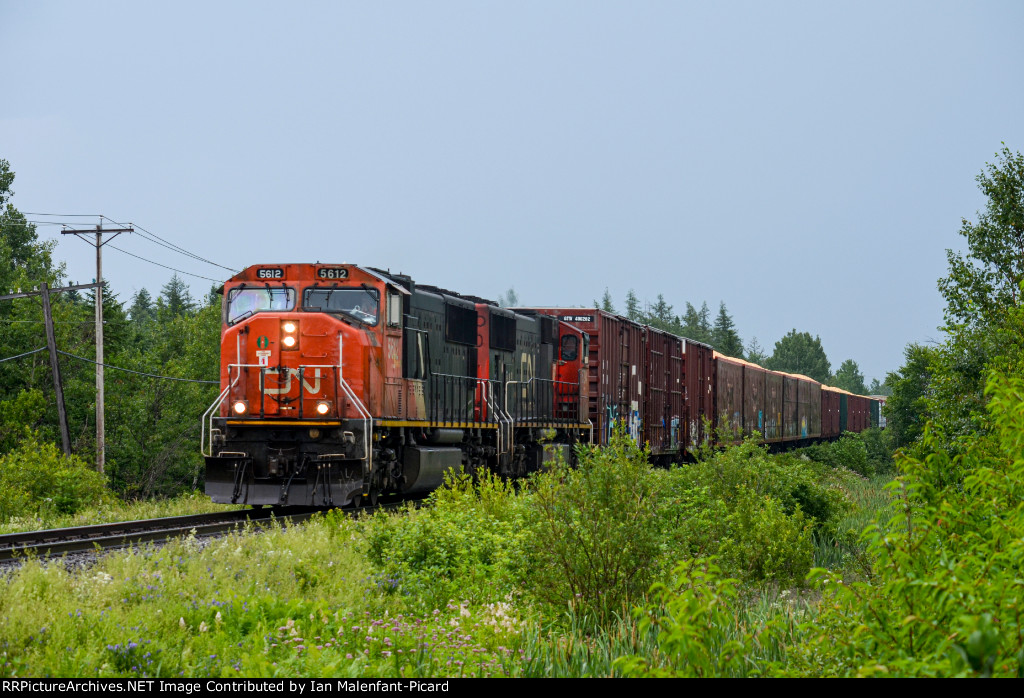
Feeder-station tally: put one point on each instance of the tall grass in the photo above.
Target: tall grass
(117, 510)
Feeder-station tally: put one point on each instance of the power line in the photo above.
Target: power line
(128, 370)
(64, 215)
(156, 239)
(198, 276)
(143, 232)
(180, 271)
(21, 356)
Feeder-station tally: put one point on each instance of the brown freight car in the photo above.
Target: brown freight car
(656, 383)
(741, 391)
(617, 365)
(830, 412)
(663, 396)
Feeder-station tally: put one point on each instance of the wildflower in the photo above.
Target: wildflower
(218, 618)
(203, 627)
(181, 622)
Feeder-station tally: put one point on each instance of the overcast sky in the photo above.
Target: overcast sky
(807, 163)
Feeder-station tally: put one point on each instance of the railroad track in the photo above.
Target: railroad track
(121, 534)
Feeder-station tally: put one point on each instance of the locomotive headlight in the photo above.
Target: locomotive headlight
(290, 334)
(323, 407)
(240, 407)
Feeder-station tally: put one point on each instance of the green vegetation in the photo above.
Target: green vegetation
(984, 322)
(36, 480)
(111, 509)
(152, 430)
(840, 560)
(491, 580)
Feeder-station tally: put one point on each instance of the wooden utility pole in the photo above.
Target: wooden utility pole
(51, 344)
(58, 387)
(101, 449)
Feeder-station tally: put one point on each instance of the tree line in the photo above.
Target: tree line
(152, 424)
(942, 386)
(796, 352)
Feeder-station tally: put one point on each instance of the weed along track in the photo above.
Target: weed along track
(110, 536)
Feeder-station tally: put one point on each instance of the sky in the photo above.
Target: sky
(807, 163)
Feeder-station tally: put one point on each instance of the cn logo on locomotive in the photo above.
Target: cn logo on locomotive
(286, 387)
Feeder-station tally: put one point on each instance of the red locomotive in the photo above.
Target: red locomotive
(341, 383)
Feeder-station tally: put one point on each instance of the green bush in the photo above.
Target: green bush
(703, 629)
(754, 510)
(766, 543)
(463, 546)
(879, 450)
(593, 533)
(795, 483)
(36, 479)
(945, 596)
(848, 452)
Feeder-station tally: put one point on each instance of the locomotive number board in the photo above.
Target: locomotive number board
(332, 273)
(270, 273)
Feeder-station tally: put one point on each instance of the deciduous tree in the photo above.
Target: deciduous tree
(849, 377)
(798, 352)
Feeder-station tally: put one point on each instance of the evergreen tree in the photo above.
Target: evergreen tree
(661, 313)
(705, 322)
(633, 311)
(509, 299)
(606, 302)
(142, 310)
(175, 300)
(693, 326)
(724, 336)
(756, 353)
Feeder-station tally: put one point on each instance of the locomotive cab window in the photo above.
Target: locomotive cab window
(362, 304)
(570, 347)
(243, 302)
(394, 310)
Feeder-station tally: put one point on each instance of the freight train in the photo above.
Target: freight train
(340, 383)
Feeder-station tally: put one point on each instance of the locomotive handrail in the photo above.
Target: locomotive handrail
(589, 423)
(503, 419)
(446, 382)
(209, 414)
(368, 418)
(569, 388)
(202, 424)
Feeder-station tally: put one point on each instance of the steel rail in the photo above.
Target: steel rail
(110, 536)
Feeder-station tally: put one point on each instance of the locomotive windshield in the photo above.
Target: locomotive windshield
(243, 302)
(361, 304)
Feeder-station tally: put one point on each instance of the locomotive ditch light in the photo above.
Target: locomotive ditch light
(323, 407)
(290, 334)
(240, 407)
